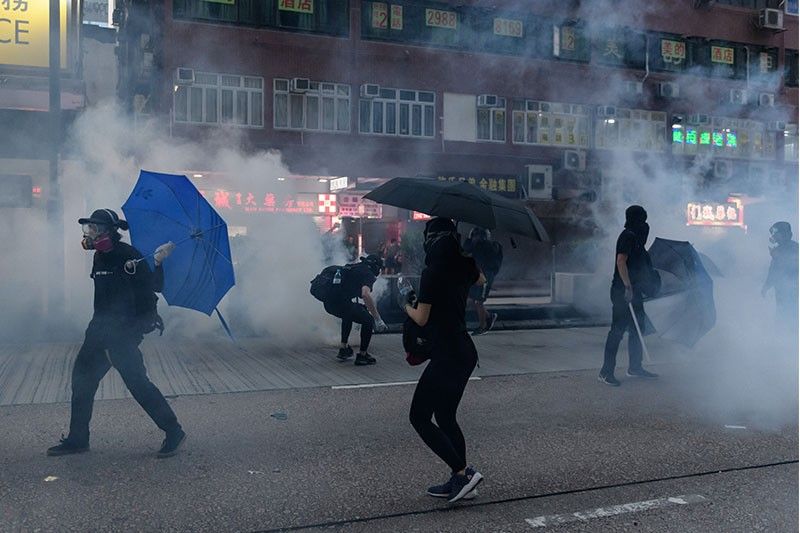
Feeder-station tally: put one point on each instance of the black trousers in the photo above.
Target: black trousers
(350, 312)
(109, 344)
(621, 321)
(438, 394)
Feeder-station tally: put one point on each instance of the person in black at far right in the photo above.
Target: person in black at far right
(630, 272)
(440, 309)
(488, 255)
(783, 273)
(124, 311)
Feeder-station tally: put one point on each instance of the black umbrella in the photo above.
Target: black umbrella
(462, 202)
(684, 311)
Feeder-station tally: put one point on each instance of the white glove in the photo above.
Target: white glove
(162, 252)
(380, 326)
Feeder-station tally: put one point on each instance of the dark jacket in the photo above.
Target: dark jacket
(127, 297)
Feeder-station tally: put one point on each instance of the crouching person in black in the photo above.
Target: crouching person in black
(356, 281)
(440, 309)
(124, 310)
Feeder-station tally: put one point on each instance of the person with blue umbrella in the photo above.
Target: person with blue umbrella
(124, 311)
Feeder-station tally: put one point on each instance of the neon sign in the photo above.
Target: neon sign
(727, 214)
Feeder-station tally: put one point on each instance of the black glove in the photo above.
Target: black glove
(151, 322)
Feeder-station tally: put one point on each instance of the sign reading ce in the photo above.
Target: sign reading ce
(25, 32)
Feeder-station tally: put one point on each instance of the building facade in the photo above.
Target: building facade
(525, 100)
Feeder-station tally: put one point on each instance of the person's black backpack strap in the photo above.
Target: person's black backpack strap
(323, 287)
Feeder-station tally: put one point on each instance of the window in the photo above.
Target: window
(620, 47)
(720, 59)
(790, 143)
(221, 98)
(550, 123)
(724, 137)
(398, 112)
(324, 106)
(411, 21)
(570, 42)
(790, 68)
(763, 65)
(492, 120)
(321, 16)
(630, 129)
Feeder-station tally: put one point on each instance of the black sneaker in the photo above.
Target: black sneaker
(365, 359)
(608, 380)
(443, 490)
(640, 373)
(345, 354)
(477, 332)
(492, 320)
(460, 485)
(67, 447)
(171, 444)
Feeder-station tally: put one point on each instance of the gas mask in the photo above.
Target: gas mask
(96, 237)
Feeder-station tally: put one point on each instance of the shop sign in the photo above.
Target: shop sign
(298, 6)
(339, 183)
(355, 206)
(722, 54)
(501, 184)
(25, 32)
(269, 202)
(673, 51)
(416, 215)
(727, 214)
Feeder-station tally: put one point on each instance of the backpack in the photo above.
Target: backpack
(322, 286)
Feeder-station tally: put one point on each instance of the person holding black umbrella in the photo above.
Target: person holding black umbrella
(783, 272)
(631, 270)
(124, 310)
(440, 309)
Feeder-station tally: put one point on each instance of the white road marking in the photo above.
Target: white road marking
(635, 507)
(390, 384)
(735, 427)
(51, 478)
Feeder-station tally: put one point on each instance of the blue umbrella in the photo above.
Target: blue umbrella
(168, 207)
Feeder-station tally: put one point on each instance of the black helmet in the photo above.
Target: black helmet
(105, 217)
(374, 262)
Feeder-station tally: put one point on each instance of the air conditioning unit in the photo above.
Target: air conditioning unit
(487, 100)
(606, 111)
(574, 160)
(777, 125)
(184, 76)
(738, 96)
(300, 85)
(723, 169)
(771, 19)
(540, 182)
(668, 89)
(634, 87)
(766, 99)
(699, 119)
(370, 90)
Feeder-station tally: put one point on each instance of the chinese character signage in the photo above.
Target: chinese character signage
(269, 202)
(339, 183)
(722, 54)
(354, 205)
(380, 15)
(501, 184)
(298, 6)
(728, 214)
(673, 51)
(25, 32)
(416, 215)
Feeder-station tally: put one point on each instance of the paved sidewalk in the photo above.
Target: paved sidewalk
(40, 373)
